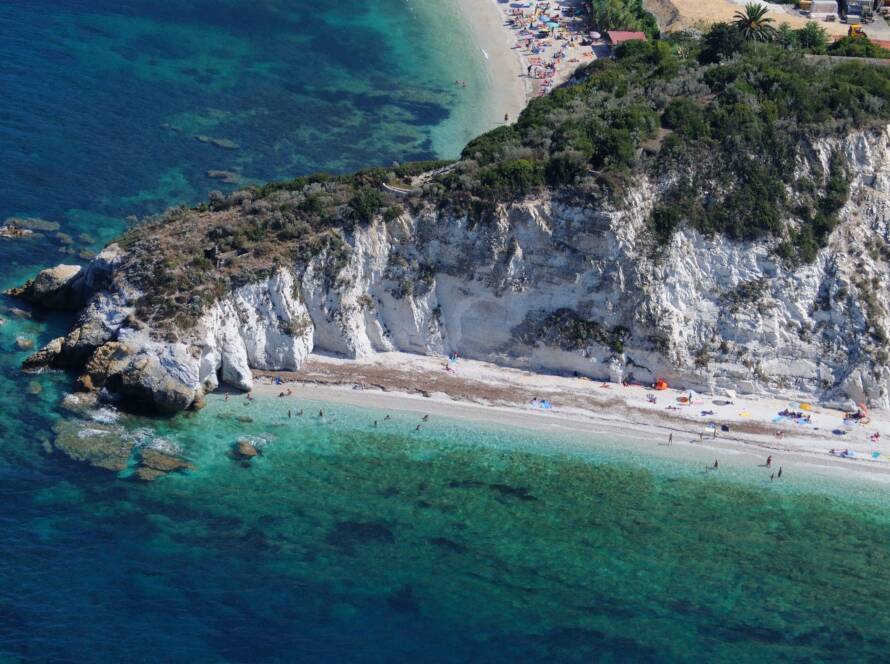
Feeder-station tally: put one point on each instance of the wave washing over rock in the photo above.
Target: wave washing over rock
(547, 285)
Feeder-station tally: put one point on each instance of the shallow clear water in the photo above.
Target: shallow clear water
(346, 542)
(343, 542)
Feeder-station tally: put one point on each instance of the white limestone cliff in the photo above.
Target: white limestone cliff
(554, 287)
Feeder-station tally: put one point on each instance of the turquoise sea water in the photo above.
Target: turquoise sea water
(343, 542)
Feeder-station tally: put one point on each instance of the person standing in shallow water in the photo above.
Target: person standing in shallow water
(780, 472)
(670, 438)
(715, 464)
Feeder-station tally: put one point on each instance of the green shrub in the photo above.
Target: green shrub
(366, 203)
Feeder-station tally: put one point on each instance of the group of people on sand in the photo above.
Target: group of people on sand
(796, 415)
(547, 35)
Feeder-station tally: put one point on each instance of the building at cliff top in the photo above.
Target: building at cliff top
(818, 8)
(617, 37)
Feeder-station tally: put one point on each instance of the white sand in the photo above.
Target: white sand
(506, 63)
(508, 88)
(618, 416)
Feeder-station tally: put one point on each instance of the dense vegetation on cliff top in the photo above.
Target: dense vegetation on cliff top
(726, 118)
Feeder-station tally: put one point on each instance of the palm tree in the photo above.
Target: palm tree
(754, 24)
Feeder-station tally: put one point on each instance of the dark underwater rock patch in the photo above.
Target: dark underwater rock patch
(447, 544)
(154, 464)
(99, 445)
(404, 601)
(519, 492)
(348, 534)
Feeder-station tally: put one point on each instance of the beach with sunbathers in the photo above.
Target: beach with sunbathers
(526, 49)
(739, 430)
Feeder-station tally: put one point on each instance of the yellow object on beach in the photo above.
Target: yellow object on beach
(806, 406)
(744, 413)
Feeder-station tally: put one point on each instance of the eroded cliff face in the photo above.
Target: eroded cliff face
(548, 287)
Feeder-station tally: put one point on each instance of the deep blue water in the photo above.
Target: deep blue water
(103, 101)
(343, 543)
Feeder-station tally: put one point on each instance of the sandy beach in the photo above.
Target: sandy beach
(510, 64)
(625, 416)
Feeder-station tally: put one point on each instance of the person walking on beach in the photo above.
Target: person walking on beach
(769, 461)
(670, 438)
(506, 118)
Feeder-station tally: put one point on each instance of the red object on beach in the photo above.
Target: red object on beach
(661, 385)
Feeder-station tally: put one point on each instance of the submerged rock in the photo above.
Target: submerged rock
(14, 232)
(229, 177)
(154, 463)
(80, 402)
(348, 534)
(245, 450)
(223, 143)
(33, 224)
(99, 445)
(158, 460)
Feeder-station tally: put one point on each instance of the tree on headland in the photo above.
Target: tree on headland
(812, 38)
(719, 43)
(754, 24)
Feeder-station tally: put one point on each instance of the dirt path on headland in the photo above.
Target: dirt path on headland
(673, 15)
